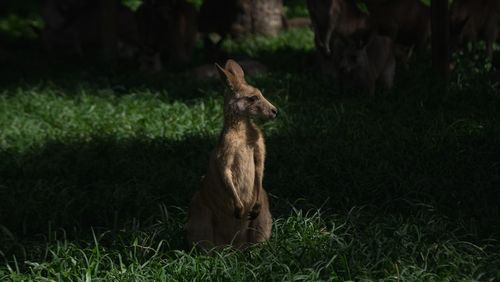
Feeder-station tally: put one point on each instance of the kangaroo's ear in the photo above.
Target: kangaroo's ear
(231, 74)
(221, 71)
(234, 68)
(228, 77)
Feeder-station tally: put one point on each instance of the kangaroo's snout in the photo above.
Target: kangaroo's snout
(268, 110)
(274, 112)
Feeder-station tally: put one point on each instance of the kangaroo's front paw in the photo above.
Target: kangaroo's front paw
(254, 212)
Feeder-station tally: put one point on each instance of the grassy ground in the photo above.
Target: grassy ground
(97, 168)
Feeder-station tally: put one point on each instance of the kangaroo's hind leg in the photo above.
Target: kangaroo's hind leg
(199, 228)
(259, 229)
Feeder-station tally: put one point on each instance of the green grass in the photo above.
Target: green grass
(97, 168)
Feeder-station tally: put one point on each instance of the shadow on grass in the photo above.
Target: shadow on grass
(106, 183)
(99, 183)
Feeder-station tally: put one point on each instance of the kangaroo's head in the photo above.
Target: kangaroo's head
(354, 53)
(353, 60)
(242, 99)
(355, 66)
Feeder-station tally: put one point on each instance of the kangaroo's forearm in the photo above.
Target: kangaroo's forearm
(259, 175)
(227, 178)
(259, 171)
(224, 163)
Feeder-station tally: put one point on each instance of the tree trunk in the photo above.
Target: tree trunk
(258, 16)
(267, 16)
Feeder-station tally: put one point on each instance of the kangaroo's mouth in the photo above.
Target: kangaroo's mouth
(274, 113)
(265, 115)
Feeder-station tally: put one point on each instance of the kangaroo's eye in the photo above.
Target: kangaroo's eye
(252, 99)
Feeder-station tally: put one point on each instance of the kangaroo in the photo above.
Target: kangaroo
(365, 64)
(232, 207)
(331, 18)
(406, 22)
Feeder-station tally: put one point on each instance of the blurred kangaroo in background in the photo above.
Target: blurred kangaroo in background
(473, 20)
(365, 62)
(350, 45)
(167, 31)
(232, 207)
(405, 21)
(331, 18)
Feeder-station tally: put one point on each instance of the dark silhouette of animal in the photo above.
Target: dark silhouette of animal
(362, 63)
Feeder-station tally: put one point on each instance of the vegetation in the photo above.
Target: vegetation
(97, 168)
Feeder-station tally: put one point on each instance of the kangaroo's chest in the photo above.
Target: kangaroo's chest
(243, 170)
(243, 174)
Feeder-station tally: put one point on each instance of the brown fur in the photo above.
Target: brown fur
(473, 20)
(232, 207)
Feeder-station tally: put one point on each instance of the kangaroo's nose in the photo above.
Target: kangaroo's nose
(275, 112)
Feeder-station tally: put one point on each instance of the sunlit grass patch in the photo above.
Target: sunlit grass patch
(290, 40)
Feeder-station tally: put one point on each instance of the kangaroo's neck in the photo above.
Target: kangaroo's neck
(243, 127)
(236, 123)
